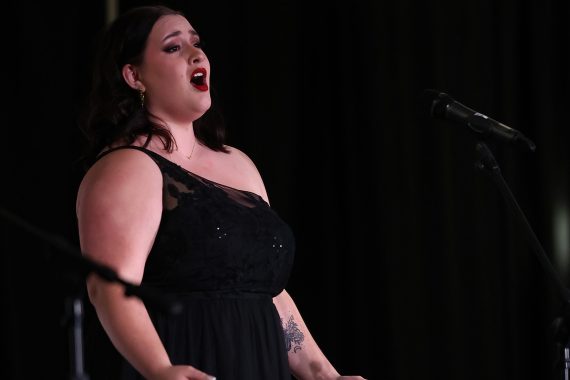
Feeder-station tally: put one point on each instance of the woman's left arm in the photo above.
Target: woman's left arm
(306, 360)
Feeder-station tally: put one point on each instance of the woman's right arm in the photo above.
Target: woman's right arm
(119, 206)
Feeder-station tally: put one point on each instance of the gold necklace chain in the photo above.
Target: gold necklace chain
(192, 152)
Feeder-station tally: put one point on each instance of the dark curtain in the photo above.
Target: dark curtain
(409, 263)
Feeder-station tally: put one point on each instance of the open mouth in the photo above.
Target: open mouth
(198, 79)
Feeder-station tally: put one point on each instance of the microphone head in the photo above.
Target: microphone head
(436, 102)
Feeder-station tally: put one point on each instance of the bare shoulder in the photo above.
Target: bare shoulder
(242, 159)
(241, 163)
(122, 169)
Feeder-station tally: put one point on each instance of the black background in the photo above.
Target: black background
(409, 264)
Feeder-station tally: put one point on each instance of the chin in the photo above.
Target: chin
(205, 105)
(200, 105)
(200, 111)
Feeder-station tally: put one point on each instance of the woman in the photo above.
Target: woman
(167, 204)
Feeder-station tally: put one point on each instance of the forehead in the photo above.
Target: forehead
(167, 25)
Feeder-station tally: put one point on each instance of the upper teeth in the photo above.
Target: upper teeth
(198, 74)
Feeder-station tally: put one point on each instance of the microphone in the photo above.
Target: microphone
(443, 106)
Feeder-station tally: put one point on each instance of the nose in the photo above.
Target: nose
(196, 55)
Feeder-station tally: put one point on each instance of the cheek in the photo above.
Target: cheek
(171, 77)
(168, 70)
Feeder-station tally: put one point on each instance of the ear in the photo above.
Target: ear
(132, 77)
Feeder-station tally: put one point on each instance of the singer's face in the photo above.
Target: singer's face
(175, 71)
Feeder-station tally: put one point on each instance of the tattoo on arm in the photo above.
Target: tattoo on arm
(293, 336)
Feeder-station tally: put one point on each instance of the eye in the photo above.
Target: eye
(199, 44)
(172, 49)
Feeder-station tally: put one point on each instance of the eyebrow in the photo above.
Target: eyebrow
(177, 33)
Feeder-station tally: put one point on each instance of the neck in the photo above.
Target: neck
(184, 138)
(186, 143)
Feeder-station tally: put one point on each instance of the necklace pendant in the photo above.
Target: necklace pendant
(192, 151)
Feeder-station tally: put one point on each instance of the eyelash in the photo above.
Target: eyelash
(175, 48)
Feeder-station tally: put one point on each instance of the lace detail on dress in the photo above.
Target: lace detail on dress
(173, 190)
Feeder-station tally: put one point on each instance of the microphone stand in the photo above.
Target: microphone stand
(561, 325)
(79, 268)
(73, 319)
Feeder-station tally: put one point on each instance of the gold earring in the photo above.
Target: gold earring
(141, 96)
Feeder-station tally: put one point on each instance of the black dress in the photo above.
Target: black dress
(224, 253)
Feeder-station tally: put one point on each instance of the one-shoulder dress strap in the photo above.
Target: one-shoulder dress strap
(156, 157)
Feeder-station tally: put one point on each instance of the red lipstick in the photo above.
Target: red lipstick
(198, 79)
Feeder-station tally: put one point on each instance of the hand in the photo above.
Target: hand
(350, 378)
(181, 372)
